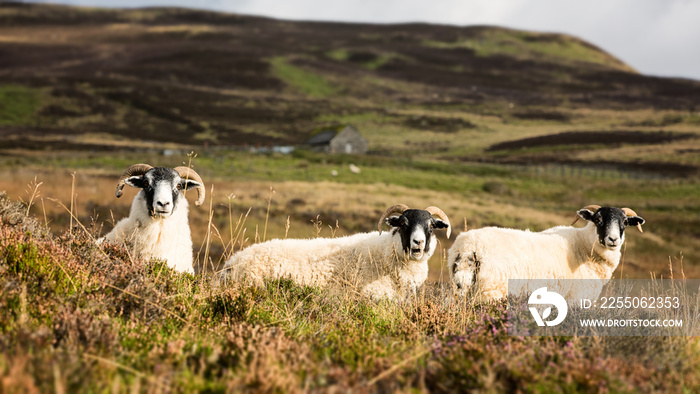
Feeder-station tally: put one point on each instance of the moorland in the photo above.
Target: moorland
(495, 126)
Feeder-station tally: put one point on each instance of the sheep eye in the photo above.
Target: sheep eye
(178, 186)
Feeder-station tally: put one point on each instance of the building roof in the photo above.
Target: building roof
(323, 137)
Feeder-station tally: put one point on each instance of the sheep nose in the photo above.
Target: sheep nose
(162, 204)
(418, 242)
(613, 240)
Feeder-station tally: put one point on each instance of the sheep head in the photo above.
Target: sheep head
(610, 223)
(161, 186)
(414, 228)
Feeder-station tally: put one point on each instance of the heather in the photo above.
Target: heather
(75, 317)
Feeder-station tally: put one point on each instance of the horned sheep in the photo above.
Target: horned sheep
(382, 265)
(157, 226)
(483, 260)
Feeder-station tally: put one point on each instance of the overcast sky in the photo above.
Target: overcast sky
(657, 37)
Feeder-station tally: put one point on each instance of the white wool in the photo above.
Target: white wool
(561, 252)
(371, 262)
(154, 237)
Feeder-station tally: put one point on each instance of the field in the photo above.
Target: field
(494, 126)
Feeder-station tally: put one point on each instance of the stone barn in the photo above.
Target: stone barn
(338, 139)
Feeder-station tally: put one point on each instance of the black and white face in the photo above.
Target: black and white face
(161, 187)
(415, 229)
(610, 225)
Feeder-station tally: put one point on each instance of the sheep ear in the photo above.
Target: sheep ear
(135, 181)
(438, 223)
(585, 214)
(396, 221)
(635, 221)
(189, 184)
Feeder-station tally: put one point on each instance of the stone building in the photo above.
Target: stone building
(338, 139)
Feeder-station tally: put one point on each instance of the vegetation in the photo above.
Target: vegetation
(530, 46)
(75, 317)
(495, 126)
(306, 82)
(18, 104)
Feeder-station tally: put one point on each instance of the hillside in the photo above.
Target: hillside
(102, 79)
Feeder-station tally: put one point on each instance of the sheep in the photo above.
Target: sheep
(483, 260)
(381, 265)
(157, 226)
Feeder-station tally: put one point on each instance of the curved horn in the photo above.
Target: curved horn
(592, 208)
(629, 212)
(136, 169)
(439, 213)
(188, 173)
(398, 208)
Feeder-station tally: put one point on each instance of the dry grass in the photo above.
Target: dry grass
(229, 223)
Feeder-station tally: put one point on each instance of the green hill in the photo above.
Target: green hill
(194, 77)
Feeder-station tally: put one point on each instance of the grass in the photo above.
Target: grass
(342, 54)
(530, 45)
(130, 325)
(338, 54)
(19, 104)
(379, 61)
(305, 187)
(308, 83)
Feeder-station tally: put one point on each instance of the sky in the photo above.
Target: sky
(656, 37)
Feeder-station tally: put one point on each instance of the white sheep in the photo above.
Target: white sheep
(157, 226)
(484, 260)
(380, 265)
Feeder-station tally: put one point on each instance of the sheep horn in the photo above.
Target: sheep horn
(439, 213)
(188, 173)
(136, 169)
(398, 208)
(629, 212)
(592, 208)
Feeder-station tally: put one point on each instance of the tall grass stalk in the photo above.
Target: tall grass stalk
(286, 227)
(43, 209)
(230, 216)
(72, 201)
(207, 239)
(190, 156)
(239, 231)
(149, 302)
(334, 229)
(396, 367)
(33, 192)
(73, 217)
(317, 225)
(126, 368)
(267, 214)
